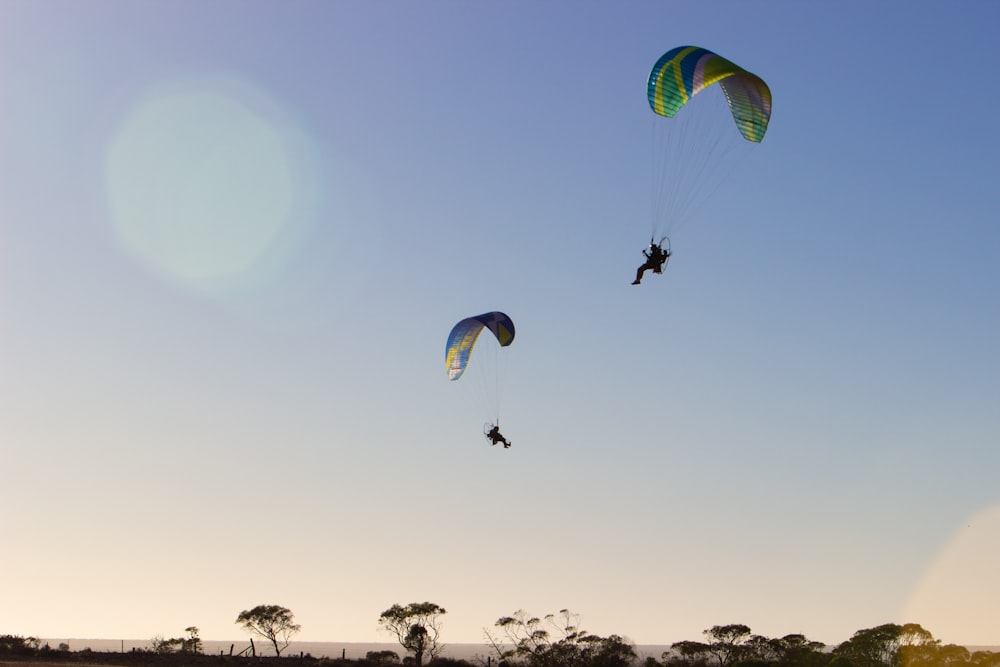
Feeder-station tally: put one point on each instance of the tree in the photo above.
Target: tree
(382, 657)
(795, 649)
(758, 648)
(788, 650)
(191, 643)
(727, 642)
(734, 645)
(19, 644)
(932, 655)
(272, 622)
(162, 646)
(687, 653)
(985, 659)
(417, 628)
(611, 651)
(880, 646)
(530, 639)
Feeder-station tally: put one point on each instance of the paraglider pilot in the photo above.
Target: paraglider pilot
(656, 256)
(495, 436)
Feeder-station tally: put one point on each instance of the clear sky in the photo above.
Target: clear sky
(235, 235)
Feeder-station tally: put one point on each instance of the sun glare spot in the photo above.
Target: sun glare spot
(204, 180)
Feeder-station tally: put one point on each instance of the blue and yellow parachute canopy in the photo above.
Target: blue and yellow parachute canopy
(463, 337)
(682, 73)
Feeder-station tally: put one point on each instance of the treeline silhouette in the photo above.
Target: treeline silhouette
(521, 640)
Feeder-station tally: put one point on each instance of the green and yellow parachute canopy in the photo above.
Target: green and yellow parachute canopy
(463, 337)
(685, 71)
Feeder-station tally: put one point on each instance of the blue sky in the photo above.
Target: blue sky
(795, 427)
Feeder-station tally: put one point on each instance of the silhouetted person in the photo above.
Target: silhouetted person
(495, 436)
(656, 256)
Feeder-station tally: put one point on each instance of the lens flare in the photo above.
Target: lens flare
(957, 595)
(204, 180)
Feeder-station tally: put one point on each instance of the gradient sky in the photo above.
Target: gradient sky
(235, 235)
